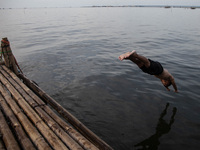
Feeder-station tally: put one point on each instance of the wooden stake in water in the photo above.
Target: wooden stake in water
(9, 58)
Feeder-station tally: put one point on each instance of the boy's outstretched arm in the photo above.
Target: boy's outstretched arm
(174, 84)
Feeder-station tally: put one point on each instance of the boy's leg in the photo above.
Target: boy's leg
(137, 59)
(143, 59)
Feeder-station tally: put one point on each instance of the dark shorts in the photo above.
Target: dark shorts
(155, 68)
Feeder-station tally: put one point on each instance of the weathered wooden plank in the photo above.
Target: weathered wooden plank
(25, 88)
(8, 138)
(55, 127)
(33, 133)
(58, 130)
(68, 116)
(19, 132)
(73, 133)
(2, 146)
(53, 140)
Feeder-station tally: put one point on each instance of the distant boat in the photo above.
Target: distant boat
(167, 6)
(193, 7)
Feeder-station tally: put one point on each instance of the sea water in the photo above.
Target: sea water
(72, 53)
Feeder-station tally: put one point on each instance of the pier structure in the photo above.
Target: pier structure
(32, 120)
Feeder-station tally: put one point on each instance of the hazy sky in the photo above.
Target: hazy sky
(78, 3)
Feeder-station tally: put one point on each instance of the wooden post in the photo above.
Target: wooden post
(9, 58)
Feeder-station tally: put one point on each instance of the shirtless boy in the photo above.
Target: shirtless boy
(151, 67)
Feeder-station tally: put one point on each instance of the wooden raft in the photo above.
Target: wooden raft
(27, 122)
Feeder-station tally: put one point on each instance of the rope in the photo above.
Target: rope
(6, 42)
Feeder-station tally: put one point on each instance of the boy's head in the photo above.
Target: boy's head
(166, 83)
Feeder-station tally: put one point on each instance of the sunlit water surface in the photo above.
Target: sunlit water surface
(72, 53)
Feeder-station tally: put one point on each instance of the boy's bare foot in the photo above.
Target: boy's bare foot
(126, 55)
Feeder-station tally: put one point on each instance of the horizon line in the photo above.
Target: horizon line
(165, 6)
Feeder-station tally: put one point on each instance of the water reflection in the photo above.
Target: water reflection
(162, 127)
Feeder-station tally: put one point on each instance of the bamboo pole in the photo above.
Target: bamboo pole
(22, 85)
(73, 133)
(33, 133)
(53, 140)
(19, 89)
(50, 122)
(2, 146)
(21, 135)
(58, 130)
(68, 116)
(8, 138)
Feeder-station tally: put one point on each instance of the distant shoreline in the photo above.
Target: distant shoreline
(162, 6)
(156, 6)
